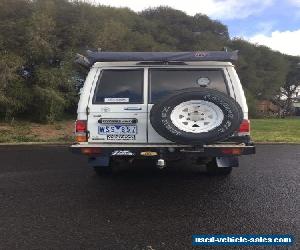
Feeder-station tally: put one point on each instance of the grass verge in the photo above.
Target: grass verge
(17, 132)
(276, 130)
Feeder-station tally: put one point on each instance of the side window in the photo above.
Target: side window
(119, 86)
(165, 81)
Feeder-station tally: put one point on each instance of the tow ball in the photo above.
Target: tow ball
(161, 163)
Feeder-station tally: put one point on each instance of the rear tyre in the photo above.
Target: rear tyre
(213, 169)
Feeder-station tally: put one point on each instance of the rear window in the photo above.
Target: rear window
(119, 86)
(165, 81)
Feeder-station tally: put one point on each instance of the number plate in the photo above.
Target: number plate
(117, 130)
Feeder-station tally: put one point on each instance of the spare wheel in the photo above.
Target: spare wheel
(196, 116)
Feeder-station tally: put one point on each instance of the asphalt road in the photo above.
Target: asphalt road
(50, 199)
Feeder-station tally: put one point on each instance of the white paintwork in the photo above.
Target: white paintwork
(238, 92)
(85, 93)
(119, 110)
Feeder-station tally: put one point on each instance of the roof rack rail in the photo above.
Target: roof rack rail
(82, 61)
(155, 57)
(161, 63)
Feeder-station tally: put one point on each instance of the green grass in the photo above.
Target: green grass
(276, 130)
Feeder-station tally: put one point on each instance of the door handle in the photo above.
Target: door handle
(133, 108)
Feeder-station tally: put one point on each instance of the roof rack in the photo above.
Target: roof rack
(163, 57)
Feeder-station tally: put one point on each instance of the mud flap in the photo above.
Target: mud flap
(228, 161)
(100, 161)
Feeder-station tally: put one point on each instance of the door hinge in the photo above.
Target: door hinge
(87, 110)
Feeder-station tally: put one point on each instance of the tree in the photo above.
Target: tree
(39, 39)
(262, 71)
(288, 93)
(13, 92)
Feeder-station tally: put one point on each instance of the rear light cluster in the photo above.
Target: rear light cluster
(244, 128)
(81, 130)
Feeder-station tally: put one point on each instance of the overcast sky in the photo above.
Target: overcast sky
(274, 23)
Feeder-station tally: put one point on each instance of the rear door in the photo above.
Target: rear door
(117, 107)
(164, 81)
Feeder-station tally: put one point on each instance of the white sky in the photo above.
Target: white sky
(220, 9)
(287, 42)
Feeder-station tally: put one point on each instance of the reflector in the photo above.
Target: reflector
(91, 151)
(232, 151)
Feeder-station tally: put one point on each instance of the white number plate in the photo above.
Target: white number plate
(117, 130)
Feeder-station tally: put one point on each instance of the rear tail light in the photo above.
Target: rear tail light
(80, 126)
(244, 128)
(81, 130)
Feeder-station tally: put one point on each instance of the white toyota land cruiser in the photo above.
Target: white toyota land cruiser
(166, 106)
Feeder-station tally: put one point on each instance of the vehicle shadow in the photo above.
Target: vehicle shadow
(146, 182)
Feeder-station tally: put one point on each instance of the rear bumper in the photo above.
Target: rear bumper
(214, 150)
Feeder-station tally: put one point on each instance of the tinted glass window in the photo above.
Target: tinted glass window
(164, 81)
(119, 86)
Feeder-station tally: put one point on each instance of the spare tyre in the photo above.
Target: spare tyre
(196, 116)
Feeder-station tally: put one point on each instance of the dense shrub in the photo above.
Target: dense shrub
(39, 38)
